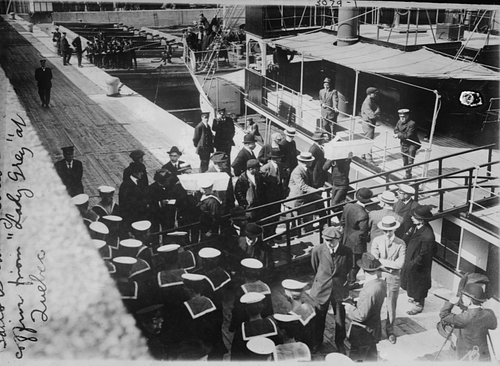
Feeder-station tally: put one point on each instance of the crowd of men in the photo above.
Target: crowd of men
(177, 256)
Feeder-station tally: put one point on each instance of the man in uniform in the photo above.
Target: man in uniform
(223, 127)
(331, 263)
(240, 162)
(133, 197)
(370, 113)
(355, 222)
(106, 205)
(43, 76)
(81, 201)
(210, 207)
(329, 100)
(203, 140)
(71, 171)
(406, 132)
(65, 49)
(57, 39)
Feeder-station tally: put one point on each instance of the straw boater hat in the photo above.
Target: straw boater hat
(184, 167)
(318, 135)
(369, 263)
(388, 223)
(305, 157)
(405, 188)
(290, 132)
(387, 197)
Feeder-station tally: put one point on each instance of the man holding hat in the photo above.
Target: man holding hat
(421, 247)
(43, 76)
(224, 130)
(472, 325)
(340, 177)
(331, 263)
(366, 326)
(301, 184)
(70, 171)
(203, 140)
(329, 100)
(405, 206)
(240, 162)
(137, 157)
(249, 189)
(106, 205)
(370, 113)
(318, 174)
(355, 222)
(387, 199)
(390, 251)
(289, 150)
(174, 164)
(406, 132)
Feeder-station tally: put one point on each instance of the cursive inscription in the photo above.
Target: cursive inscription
(42, 288)
(19, 331)
(19, 265)
(10, 220)
(18, 173)
(3, 333)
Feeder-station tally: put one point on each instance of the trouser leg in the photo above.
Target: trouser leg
(320, 320)
(340, 331)
(392, 300)
(355, 268)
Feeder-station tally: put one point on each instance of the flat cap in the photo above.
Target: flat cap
(371, 89)
(253, 163)
(252, 298)
(80, 199)
(150, 311)
(141, 225)
(136, 154)
(331, 232)
(208, 253)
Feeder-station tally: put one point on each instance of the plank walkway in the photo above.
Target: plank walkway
(104, 130)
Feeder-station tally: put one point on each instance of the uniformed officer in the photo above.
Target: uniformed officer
(223, 127)
(203, 141)
(406, 132)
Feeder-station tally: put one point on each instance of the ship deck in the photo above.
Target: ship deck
(105, 129)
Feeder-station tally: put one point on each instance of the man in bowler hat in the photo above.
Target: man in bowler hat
(240, 162)
(43, 76)
(70, 171)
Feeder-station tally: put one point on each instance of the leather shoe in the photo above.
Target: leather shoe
(417, 309)
(392, 339)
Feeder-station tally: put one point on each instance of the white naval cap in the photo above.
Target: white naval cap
(98, 244)
(251, 263)
(208, 253)
(193, 277)
(80, 199)
(105, 189)
(252, 298)
(167, 248)
(125, 260)
(403, 111)
(406, 189)
(141, 225)
(340, 359)
(99, 227)
(261, 345)
(205, 183)
(131, 243)
(293, 285)
(113, 218)
(286, 318)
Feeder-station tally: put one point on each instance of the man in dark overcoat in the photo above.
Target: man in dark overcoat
(43, 76)
(289, 149)
(406, 132)
(70, 171)
(137, 157)
(240, 162)
(133, 198)
(319, 176)
(421, 247)
(223, 127)
(249, 189)
(203, 140)
(405, 206)
(355, 222)
(331, 263)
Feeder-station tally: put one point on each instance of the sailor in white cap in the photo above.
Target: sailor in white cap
(405, 206)
(303, 306)
(106, 205)
(390, 251)
(98, 230)
(406, 132)
(387, 199)
(216, 276)
(81, 201)
(113, 223)
(251, 272)
(129, 290)
(141, 230)
(262, 348)
(288, 148)
(170, 257)
(201, 320)
(106, 252)
(256, 326)
(210, 206)
(291, 349)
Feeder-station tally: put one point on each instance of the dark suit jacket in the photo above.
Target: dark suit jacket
(273, 179)
(319, 175)
(370, 301)
(472, 325)
(71, 178)
(331, 273)
(240, 162)
(203, 139)
(224, 133)
(134, 199)
(170, 167)
(407, 133)
(250, 195)
(355, 222)
(143, 181)
(416, 271)
(44, 78)
(289, 151)
(405, 212)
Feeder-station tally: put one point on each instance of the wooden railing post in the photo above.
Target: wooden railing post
(469, 185)
(288, 243)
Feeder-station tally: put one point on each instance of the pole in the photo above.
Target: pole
(353, 118)
(299, 112)
(431, 137)
(407, 28)
(416, 32)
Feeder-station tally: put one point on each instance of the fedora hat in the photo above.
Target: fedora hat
(238, 213)
(253, 230)
(387, 197)
(369, 263)
(174, 150)
(364, 195)
(474, 291)
(422, 212)
(305, 157)
(388, 223)
(249, 138)
(275, 153)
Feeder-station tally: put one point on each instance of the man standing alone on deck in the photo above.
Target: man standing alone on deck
(43, 76)
(406, 131)
(70, 171)
(203, 140)
(370, 113)
(329, 103)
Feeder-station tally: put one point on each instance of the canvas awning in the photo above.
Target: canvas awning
(423, 63)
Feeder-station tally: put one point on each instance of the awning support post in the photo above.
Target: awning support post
(353, 118)
(433, 128)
